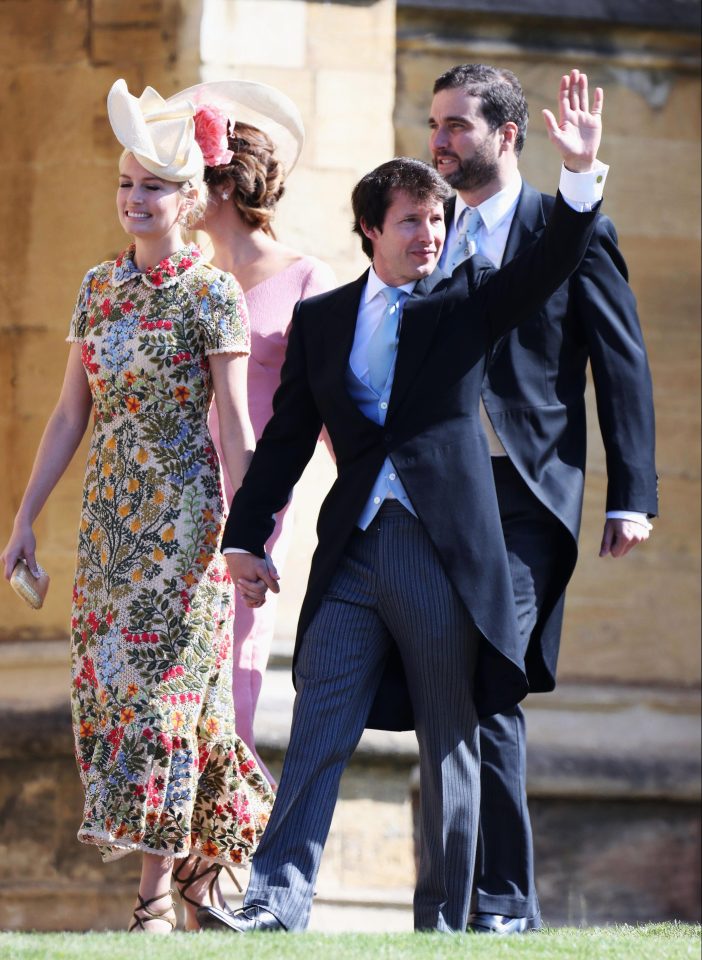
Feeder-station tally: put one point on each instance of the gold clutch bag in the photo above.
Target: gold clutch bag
(32, 589)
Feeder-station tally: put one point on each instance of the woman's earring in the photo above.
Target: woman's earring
(225, 196)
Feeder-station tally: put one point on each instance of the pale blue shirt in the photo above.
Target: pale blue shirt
(388, 485)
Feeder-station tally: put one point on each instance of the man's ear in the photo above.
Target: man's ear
(508, 134)
(371, 232)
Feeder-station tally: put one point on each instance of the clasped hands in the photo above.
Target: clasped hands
(253, 576)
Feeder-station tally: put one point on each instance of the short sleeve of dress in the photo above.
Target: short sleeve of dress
(223, 315)
(79, 320)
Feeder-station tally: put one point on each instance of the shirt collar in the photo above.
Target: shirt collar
(494, 210)
(164, 274)
(374, 285)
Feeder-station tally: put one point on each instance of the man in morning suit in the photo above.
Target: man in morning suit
(409, 616)
(533, 410)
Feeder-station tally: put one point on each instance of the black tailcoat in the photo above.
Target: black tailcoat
(534, 392)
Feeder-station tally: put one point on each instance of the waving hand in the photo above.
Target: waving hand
(578, 131)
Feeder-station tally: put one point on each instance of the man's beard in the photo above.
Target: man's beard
(477, 171)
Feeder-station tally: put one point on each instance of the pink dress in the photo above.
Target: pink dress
(270, 305)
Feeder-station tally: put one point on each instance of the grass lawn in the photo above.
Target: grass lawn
(663, 941)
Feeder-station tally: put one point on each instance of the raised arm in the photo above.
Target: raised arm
(59, 442)
(519, 288)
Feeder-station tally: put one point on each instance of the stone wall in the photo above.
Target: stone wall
(337, 60)
(349, 65)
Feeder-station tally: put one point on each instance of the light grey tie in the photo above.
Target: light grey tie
(383, 343)
(467, 227)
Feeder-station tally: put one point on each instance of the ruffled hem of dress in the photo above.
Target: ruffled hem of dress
(112, 849)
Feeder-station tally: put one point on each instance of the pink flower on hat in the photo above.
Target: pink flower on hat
(211, 135)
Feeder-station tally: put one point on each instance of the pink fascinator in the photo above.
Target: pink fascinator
(245, 101)
(211, 133)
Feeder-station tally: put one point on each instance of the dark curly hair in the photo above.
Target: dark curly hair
(256, 176)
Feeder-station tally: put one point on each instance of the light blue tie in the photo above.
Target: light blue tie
(467, 227)
(383, 343)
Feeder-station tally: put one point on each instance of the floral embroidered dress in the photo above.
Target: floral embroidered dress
(162, 767)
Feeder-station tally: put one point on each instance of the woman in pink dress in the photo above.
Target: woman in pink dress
(251, 136)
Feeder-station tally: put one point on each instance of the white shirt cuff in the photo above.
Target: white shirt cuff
(582, 191)
(236, 550)
(630, 515)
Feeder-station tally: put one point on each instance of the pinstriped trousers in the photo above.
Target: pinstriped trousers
(389, 588)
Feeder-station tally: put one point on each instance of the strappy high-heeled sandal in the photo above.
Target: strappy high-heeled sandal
(143, 914)
(185, 877)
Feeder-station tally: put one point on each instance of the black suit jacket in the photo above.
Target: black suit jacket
(432, 432)
(534, 394)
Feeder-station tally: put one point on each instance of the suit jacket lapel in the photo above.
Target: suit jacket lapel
(340, 330)
(527, 223)
(420, 317)
(338, 337)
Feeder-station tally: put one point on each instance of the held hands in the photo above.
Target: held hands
(578, 132)
(252, 577)
(621, 536)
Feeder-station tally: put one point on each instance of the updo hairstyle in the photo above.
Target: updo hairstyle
(257, 178)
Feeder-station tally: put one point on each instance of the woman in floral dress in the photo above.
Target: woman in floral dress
(155, 334)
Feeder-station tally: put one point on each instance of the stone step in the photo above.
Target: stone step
(614, 787)
(584, 739)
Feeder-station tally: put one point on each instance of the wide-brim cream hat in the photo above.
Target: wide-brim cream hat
(160, 133)
(257, 104)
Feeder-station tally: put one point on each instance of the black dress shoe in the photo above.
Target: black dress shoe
(251, 919)
(496, 923)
